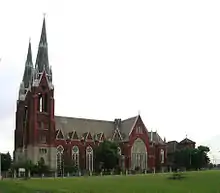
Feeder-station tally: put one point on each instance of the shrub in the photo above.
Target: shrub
(176, 176)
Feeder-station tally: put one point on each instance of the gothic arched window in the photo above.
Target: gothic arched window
(139, 155)
(60, 161)
(40, 102)
(119, 151)
(139, 130)
(162, 155)
(75, 155)
(89, 158)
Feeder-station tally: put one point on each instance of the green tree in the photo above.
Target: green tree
(70, 166)
(41, 167)
(6, 161)
(192, 158)
(26, 164)
(106, 155)
(203, 156)
(203, 148)
(183, 158)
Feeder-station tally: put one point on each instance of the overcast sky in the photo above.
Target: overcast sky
(111, 59)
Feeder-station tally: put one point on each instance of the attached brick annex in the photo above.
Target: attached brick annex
(41, 135)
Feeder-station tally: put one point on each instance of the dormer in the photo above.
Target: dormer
(87, 136)
(117, 135)
(75, 136)
(60, 135)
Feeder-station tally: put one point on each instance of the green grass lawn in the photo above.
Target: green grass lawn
(195, 182)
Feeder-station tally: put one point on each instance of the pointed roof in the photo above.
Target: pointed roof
(43, 37)
(156, 137)
(42, 61)
(100, 128)
(126, 127)
(75, 136)
(117, 135)
(186, 141)
(27, 77)
(29, 56)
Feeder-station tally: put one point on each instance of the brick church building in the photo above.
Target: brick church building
(39, 134)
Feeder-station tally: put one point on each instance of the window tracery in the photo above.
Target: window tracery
(89, 158)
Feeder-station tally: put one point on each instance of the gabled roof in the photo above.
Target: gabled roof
(156, 138)
(97, 128)
(75, 136)
(39, 80)
(87, 136)
(60, 135)
(186, 140)
(126, 126)
(117, 135)
(83, 126)
(70, 134)
(99, 136)
(172, 142)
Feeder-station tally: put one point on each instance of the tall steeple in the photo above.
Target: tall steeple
(42, 62)
(27, 77)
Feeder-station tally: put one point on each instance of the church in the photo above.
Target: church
(39, 134)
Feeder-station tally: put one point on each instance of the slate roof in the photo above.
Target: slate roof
(172, 146)
(157, 138)
(186, 140)
(82, 126)
(126, 126)
(28, 68)
(42, 61)
(69, 125)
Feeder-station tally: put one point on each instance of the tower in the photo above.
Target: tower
(21, 113)
(35, 128)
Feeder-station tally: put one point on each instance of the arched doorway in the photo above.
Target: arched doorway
(139, 155)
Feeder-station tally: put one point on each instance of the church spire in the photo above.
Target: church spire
(29, 56)
(42, 61)
(27, 77)
(43, 38)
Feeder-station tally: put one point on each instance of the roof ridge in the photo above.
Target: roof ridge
(187, 139)
(130, 118)
(81, 118)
